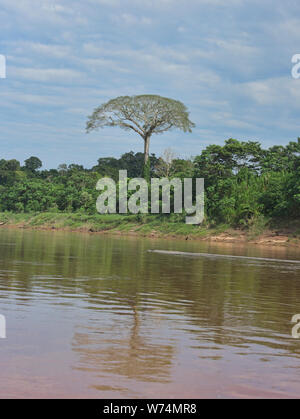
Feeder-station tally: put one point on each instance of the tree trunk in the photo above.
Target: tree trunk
(146, 168)
(146, 149)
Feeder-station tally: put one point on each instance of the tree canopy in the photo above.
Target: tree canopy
(33, 163)
(144, 114)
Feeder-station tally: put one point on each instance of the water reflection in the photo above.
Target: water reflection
(124, 350)
(101, 316)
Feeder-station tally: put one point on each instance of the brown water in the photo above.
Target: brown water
(100, 316)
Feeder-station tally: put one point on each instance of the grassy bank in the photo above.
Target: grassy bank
(139, 224)
(259, 232)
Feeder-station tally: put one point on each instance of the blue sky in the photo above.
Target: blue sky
(229, 61)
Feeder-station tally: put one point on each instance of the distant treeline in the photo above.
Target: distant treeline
(243, 181)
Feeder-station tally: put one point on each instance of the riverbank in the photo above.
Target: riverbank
(283, 234)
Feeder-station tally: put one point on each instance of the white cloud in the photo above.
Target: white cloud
(50, 50)
(54, 12)
(130, 19)
(46, 74)
(277, 92)
(228, 61)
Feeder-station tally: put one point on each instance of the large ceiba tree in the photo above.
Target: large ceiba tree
(144, 114)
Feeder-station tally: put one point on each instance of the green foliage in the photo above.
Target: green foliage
(244, 184)
(33, 163)
(144, 114)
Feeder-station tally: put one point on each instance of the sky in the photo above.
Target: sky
(228, 61)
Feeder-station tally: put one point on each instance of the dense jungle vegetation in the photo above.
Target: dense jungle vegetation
(244, 183)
